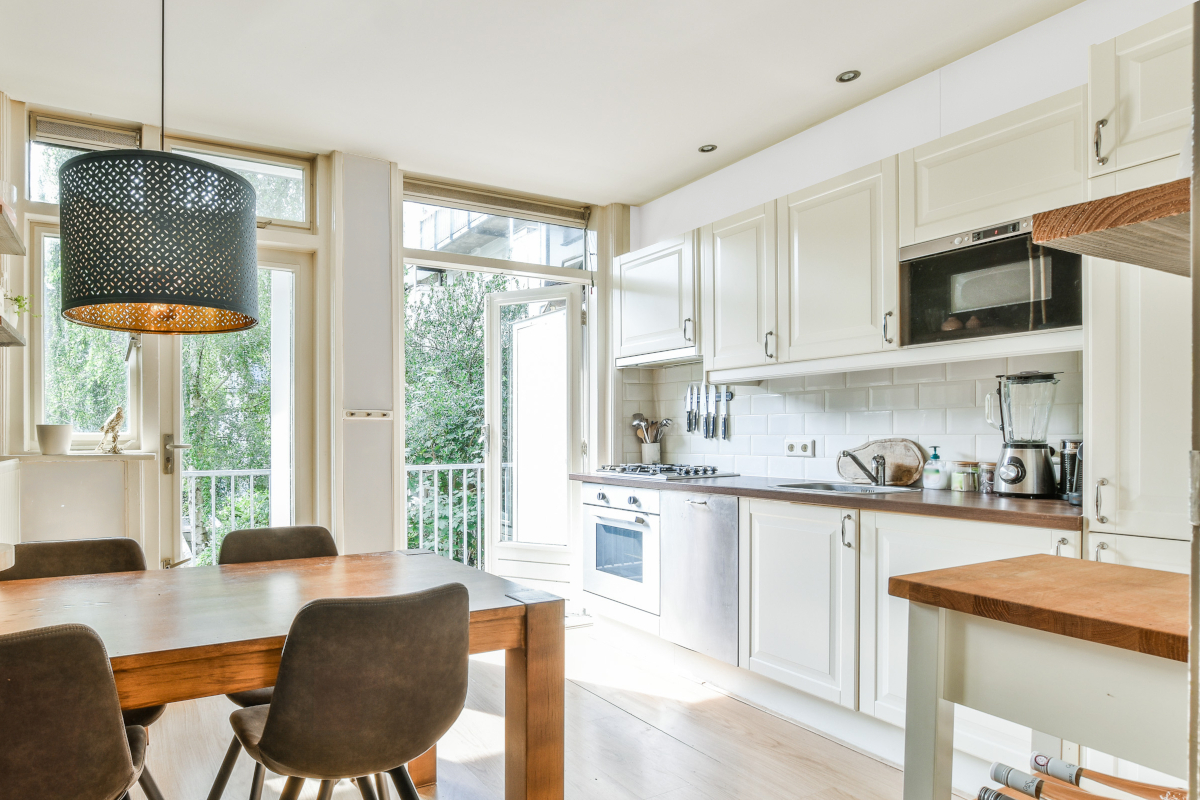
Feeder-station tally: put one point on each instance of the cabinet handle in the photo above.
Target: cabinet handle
(885, 320)
(698, 502)
(1100, 546)
(1059, 545)
(1101, 160)
(844, 542)
(1100, 517)
(766, 341)
(686, 338)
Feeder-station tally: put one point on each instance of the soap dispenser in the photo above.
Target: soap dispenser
(937, 472)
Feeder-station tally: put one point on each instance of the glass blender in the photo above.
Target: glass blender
(1023, 402)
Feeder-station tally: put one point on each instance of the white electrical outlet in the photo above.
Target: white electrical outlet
(801, 448)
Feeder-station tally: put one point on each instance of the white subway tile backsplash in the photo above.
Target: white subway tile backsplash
(1070, 388)
(891, 398)
(846, 400)
(739, 405)
(832, 380)
(734, 445)
(977, 370)
(821, 469)
(967, 420)
(869, 422)
(869, 377)
(766, 445)
(785, 423)
(750, 465)
(987, 448)
(723, 463)
(768, 404)
(834, 445)
(781, 467)
(907, 422)
(958, 394)
(639, 391)
(748, 424)
(950, 448)
(1064, 419)
(805, 403)
(922, 373)
(786, 385)
(1046, 362)
(824, 423)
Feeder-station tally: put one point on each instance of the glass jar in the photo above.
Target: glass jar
(965, 476)
(987, 477)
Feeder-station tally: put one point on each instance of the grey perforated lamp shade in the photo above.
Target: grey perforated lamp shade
(156, 242)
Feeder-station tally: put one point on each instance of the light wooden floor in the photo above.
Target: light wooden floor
(632, 734)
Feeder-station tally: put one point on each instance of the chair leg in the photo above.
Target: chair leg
(404, 784)
(146, 781)
(256, 783)
(218, 787)
(291, 789)
(381, 787)
(326, 790)
(365, 788)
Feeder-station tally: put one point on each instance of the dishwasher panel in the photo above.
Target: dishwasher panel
(699, 573)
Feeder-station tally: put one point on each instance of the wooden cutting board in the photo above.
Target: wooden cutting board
(905, 461)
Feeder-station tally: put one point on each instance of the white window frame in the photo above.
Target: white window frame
(307, 163)
(36, 409)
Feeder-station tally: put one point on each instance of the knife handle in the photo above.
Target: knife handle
(724, 427)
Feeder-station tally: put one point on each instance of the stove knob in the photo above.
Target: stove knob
(633, 501)
(1012, 472)
(602, 497)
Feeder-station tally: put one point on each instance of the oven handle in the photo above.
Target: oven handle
(636, 520)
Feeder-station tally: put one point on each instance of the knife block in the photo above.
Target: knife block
(652, 453)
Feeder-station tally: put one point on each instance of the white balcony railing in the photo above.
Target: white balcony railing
(444, 510)
(217, 501)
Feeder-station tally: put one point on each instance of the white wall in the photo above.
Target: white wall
(931, 404)
(1031, 65)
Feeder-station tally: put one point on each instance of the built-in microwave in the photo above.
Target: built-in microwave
(988, 282)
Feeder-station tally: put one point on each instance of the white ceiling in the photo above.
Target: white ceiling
(602, 101)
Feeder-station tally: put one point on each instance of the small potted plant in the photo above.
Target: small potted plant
(18, 304)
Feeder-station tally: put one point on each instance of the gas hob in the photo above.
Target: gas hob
(665, 472)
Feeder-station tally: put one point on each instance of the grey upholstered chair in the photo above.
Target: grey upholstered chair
(60, 559)
(61, 722)
(249, 546)
(365, 685)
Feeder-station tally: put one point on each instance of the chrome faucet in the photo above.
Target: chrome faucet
(879, 476)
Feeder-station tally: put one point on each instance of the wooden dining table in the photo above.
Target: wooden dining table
(182, 634)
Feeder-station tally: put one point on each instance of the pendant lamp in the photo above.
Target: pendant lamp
(156, 242)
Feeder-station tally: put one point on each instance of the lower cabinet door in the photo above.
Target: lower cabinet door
(799, 588)
(894, 544)
(1169, 555)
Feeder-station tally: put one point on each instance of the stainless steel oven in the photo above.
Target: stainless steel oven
(621, 545)
(989, 282)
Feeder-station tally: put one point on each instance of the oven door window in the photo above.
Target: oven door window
(619, 551)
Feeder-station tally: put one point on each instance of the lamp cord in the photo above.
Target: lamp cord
(162, 93)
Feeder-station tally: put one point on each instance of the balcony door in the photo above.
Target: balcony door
(533, 393)
(248, 433)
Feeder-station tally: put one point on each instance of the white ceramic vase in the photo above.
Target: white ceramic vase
(55, 440)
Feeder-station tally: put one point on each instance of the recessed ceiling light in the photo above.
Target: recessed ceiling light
(848, 75)
(707, 148)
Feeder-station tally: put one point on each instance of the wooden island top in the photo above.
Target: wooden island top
(1143, 610)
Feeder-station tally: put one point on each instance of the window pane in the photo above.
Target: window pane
(280, 188)
(455, 230)
(84, 374)
(44, 161)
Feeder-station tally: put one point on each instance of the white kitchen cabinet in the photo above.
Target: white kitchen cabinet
(1168, 555)
(738, 265)
(1137, 400)
(1140, 94)
(837, 266)
(799, 588)
(656, 298)
(1028, 160)
(895, 544)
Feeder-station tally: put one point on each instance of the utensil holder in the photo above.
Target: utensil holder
(54, 440)
(652, 453)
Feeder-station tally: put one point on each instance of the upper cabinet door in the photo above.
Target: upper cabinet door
(739, 289)
(656, 297)
(838, 269)
(1029, 160)
(1140, 93)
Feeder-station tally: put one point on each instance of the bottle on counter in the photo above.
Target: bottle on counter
(937, 472)
(1095, 782)
(964, 476)
(987, 477)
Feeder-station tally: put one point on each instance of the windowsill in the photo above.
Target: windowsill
(83, 455)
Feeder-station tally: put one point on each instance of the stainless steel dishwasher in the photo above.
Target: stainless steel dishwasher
(699, 573)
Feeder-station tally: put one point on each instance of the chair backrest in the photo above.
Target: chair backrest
(74, 557)
(63, 733)
(276, 544)
(367, 684)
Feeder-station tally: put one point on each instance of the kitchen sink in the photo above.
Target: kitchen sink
(845, 488)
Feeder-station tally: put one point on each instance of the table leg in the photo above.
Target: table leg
(423, 768)
(534, 695)
(928, 719)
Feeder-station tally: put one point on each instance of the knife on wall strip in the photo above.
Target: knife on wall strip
(687, 405)
(712, 411)
(725, 412)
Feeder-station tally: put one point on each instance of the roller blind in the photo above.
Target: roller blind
(443, 194)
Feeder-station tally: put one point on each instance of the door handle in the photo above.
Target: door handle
(886, 339)
(1101, 160)
(687, 338)
(844, 542)
(1100, 517)
(766, 340)
(169, 448)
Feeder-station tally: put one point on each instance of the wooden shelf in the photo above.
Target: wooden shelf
(10, 236)
(10, 336)
(1149, 227)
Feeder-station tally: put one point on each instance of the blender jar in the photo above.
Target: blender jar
(1025, 400)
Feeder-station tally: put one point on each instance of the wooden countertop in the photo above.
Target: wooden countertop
(1144, 610)
(1056, 514)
